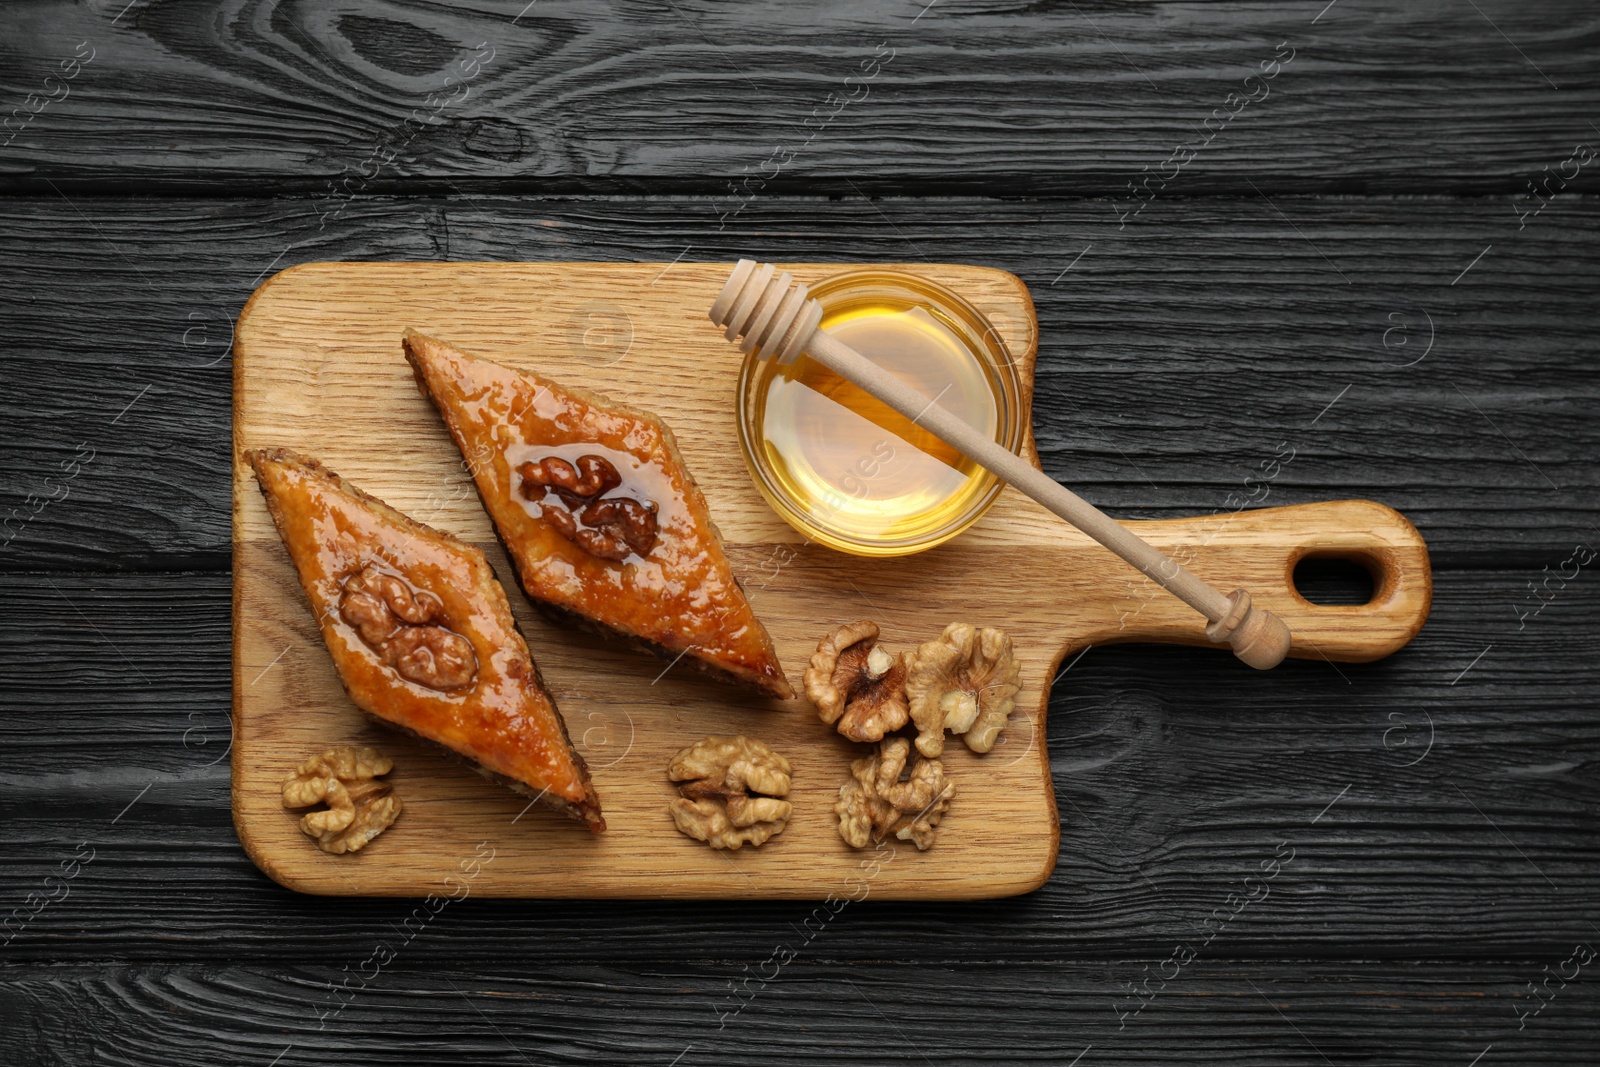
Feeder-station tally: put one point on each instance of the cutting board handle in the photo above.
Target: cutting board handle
(1258, 551)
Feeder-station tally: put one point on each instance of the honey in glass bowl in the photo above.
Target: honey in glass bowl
(847, 470)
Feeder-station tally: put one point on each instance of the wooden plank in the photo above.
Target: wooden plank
(1230, 325)
(957, 98)
(1177, 771)
(806, 1011)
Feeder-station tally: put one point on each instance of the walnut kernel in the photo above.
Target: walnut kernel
(434, 657)
(620, 522)
(396, 621)
(611, 528)
(720, 778)
(359, 807)
(591, 476)
(857, 686)
(876, 803)
(965, 681)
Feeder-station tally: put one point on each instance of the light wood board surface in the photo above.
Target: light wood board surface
(318, 367)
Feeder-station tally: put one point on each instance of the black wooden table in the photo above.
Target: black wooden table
(1356, 234)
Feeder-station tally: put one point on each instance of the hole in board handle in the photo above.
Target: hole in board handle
(1337, 581)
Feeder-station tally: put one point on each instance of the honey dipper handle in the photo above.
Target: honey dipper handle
(1256, 636)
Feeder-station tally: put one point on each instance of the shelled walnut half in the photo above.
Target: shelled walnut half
(965, 681)
(881, 798)
(610, 528)
(403, 626)
(857, 686)
(729, 788)
(359, 807)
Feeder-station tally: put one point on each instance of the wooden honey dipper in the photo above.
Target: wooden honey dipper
(772, 314)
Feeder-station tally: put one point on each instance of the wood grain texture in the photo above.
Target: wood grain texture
(1001, 99)
(1465, 829)
(809, 1011)
(230, 140)
(1207, 307)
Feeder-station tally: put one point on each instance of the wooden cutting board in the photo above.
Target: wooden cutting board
(318, 366)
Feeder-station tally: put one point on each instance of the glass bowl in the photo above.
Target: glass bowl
(846, 470)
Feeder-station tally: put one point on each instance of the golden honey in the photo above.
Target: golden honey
(847, 470)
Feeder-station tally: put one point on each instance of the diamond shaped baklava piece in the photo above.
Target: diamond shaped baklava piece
(599, 514)
(422, 634)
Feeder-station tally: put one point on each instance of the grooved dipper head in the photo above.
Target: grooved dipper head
(766, 312)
